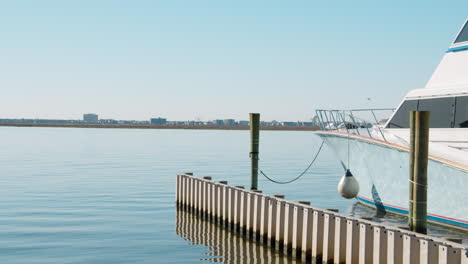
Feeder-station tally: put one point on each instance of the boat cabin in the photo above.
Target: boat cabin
(446, 112)
(446, 93)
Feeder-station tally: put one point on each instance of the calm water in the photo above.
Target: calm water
(107, 195)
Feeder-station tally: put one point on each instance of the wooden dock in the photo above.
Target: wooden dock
(309, 233)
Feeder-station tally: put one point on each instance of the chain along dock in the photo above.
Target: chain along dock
(308, 233)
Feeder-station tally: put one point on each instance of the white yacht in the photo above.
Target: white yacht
(378, 155)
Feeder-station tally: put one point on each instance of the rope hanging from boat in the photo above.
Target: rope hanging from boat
(300, 175)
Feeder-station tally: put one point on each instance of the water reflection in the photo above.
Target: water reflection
(381, 212)
(224, 246)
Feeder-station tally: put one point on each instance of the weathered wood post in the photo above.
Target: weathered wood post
(412, 120)
(254, 143)
(421, 154)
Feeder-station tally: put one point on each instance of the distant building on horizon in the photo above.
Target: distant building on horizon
(158, 121)
(307, 124)
(133, 122)
(288, 124)
(108, 121)
(229, 122)
(90, 118)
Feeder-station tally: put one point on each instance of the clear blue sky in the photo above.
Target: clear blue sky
(216, 59)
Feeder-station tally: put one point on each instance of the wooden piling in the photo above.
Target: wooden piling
(254, 147)
(412, 120)
(421, 154)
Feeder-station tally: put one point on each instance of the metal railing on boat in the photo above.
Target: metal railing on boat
(354, 121)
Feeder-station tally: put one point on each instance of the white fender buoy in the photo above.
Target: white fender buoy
(348, 187)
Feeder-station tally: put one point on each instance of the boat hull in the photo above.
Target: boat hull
(382, 172)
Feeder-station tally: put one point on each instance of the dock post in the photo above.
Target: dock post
(421, 154)
(254, 146)
(412, 121)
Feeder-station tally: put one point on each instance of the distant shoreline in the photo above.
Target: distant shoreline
(269, 128)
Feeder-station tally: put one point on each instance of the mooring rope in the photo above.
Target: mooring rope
(300, 175)
(422, 185)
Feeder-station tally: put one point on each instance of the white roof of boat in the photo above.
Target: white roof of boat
(452, 71)
(437, 92)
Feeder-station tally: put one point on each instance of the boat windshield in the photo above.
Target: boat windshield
(447, 112)
(463, 36)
